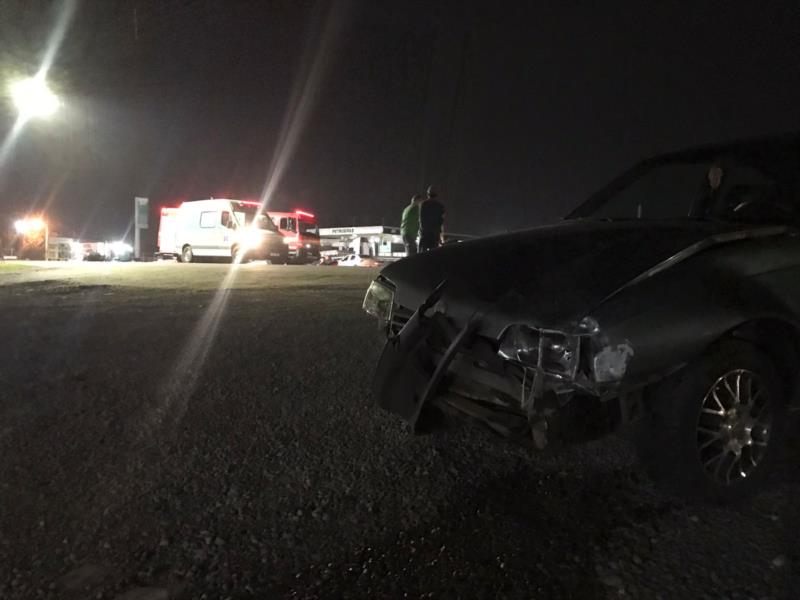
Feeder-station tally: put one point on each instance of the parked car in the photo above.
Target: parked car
(668, 301)
(120, 251)
(354, 260)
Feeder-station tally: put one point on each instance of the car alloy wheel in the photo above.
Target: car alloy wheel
(734, 426)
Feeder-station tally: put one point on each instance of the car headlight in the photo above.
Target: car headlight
(611, 363)
(553, 351)
(378, 301)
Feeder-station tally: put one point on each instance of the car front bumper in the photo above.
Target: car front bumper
(432, 367)
(276, 252)
(304, 254)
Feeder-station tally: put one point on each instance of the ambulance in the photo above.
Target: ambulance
(220, 228)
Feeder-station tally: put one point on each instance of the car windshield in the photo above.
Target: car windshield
(250, 213)
(309, 229)
(713, 188)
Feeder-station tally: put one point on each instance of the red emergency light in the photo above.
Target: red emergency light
(249, 203)
(304, 214)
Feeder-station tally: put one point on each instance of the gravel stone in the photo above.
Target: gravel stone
(144, 593)
(779, 561)
(81, 578)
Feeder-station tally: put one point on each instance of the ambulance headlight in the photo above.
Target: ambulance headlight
(378, 301)
(251, 239)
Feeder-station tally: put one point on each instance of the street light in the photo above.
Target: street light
(32, 226)
(33, 98)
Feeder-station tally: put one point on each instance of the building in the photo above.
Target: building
(378, 241)
(61, 248)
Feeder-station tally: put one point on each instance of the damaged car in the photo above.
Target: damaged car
(668, 302)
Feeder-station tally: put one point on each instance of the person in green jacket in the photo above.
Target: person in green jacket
(409, 224)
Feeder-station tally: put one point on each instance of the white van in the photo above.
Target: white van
(220, 228)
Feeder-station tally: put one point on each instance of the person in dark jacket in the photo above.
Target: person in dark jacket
(431, 221)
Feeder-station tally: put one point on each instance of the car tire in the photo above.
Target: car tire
(706, 437)
(187, 255)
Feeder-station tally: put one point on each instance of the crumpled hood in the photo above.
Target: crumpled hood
(548, 274)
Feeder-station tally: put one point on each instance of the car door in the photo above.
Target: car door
(210, 233)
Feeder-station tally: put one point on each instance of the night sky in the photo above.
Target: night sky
(517, 111)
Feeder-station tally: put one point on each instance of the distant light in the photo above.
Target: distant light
(77, 250)
(33, 98)
(304, 213)
(35, 224)
(26, 226)
(120, 248)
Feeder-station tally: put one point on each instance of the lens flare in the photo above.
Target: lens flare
(185, 374)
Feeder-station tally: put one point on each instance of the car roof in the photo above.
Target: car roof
(773, 143)
(777, 154)
(206, 202)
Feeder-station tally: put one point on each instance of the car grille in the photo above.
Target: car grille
(400, 316)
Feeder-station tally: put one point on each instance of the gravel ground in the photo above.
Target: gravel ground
(140, 459)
